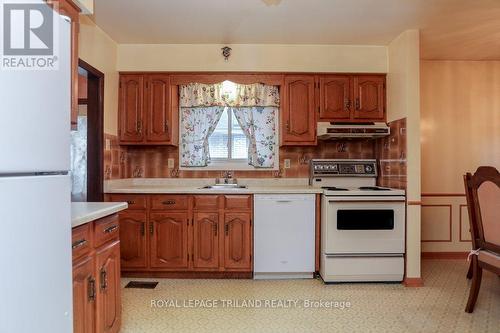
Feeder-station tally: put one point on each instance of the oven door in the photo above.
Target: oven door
(363, 225)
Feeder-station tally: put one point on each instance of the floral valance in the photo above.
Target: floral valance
(238, 95)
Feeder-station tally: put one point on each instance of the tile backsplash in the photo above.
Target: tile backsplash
(151, 161)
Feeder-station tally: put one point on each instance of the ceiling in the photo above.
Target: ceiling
(450, 29)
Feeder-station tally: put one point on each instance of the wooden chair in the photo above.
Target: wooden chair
(483, 202)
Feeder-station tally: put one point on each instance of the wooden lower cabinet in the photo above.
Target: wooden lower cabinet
(237, 241)
(175, 234)
(169, 240)
(109, 296)
(96, 278)
(84, 294)
(133, 243)
(206, 240)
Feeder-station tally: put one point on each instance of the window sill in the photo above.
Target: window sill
(228, 166)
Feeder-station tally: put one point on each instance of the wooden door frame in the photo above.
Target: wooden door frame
(95, 131)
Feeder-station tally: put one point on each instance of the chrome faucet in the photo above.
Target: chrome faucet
(227, 176)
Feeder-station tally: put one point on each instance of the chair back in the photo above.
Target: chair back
(483, 201)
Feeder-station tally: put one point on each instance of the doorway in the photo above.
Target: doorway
(88, 136)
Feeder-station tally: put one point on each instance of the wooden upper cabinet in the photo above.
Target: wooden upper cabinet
(109, 299)
(335, 98)
(84, 296)
(158, 115)
(206, 240)
(169, 240)
(298, 122)
(133, 246)
(131, 109)
(237, 241)
(369, 97)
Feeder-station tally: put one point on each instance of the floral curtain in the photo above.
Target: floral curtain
(197, 124)
(259, 125)
(255, 107)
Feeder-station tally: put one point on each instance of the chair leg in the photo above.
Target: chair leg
(477, 273)
(469, 272)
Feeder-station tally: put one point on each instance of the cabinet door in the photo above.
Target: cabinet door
(108, 297)
(158, 111)
(131, 109)
(169, 240)
(237, 241)
(206, 240)
(334, 98)
(133, 247)
(369, 97)
(298, 123)
(84, 294)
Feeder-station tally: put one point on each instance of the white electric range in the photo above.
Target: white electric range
(362, 225)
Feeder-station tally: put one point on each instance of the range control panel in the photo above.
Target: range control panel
(343, 168)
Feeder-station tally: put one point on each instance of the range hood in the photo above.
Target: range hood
(331, 131)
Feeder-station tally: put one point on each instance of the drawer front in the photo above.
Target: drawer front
(169, 202)
(134, 201)
(238, 202)
(81, 240)
(106, 229)
(205, 202)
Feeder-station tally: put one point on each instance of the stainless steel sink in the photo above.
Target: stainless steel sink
(224, 187)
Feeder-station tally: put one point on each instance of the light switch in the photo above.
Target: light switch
(108, 144)
(287, 163)
(171, 163)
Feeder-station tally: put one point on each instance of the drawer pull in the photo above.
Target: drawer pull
(91, 289)
(131, 202)
(79, 243)
(110, 229)
(168, 202)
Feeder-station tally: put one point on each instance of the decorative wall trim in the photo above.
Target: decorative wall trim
(444, 255)
(413, 282)
(450, 223)
(414, 203)
(443, 194)
(461, 239)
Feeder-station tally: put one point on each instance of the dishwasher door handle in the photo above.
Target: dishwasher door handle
(283, 201)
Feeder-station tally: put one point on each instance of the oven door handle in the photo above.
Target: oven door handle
(364, 255)
(366, 201)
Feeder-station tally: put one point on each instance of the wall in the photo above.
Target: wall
(99, 50)
(460, 131)
(403, 96)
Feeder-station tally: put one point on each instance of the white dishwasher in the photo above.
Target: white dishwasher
(284, 236)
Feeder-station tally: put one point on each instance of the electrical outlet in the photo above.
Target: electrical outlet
(287, 163)
(108, 144)
(171, 163)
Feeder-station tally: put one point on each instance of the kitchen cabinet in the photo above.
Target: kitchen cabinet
(133, 239)
(96, 276)
(206, 240)
(69, 9)
(298, 122)
(84, 295)
(352, 98)
(237, 240)
(186, 235)
(169, 240)
(369, 97)
(147, 110)
(109, 300)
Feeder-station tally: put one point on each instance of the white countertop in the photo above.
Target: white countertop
(84, 212)
(194, 186)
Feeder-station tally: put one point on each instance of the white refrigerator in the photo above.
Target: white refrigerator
(35, 197)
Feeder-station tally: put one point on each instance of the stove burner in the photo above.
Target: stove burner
(333, 188)
(373, 188)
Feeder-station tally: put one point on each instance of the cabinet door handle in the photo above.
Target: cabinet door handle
(287, 126)
(216, 229)
(104, 279)
(347, 104)
(91, 289)
(226, 229)
(139, 127)
(110, 229)
(357, 104)
(151, 228)
(166, 126)
(78, 243)
(143, 228)
(168, 202)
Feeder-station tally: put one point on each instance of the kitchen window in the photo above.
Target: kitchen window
(228, 126)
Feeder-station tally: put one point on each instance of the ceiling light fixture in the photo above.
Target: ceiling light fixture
(226, 52)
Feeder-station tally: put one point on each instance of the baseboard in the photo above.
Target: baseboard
(445, 255)
(413, 282)
(187, 275)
